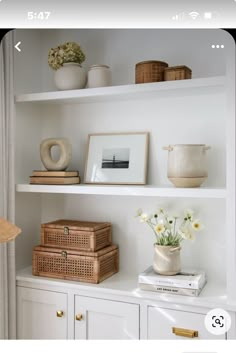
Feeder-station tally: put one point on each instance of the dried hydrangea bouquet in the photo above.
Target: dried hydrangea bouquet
(169, 232)
(66, 60)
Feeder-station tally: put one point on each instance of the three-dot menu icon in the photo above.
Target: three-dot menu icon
(217, 46)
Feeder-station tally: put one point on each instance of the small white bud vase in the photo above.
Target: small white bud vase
(99, 76)
(70, 76)
(167, 260)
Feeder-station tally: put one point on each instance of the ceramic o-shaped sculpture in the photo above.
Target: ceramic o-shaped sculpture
(65, 153)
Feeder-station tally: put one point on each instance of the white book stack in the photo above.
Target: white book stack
(188, 282)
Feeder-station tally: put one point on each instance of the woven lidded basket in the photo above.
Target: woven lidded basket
(78, 235)
(177, 73)
(150, 71)
(75, 265)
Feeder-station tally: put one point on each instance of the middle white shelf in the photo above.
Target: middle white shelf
(125, 190)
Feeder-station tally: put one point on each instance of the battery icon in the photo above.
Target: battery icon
(208, 15)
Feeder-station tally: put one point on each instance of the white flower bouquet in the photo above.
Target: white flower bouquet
(171, 230)
(65, 53)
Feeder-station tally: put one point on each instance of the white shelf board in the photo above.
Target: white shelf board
(156, 89)
(123, 284)
(126, 190)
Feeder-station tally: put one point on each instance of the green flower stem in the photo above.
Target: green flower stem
(174, 226)
(165, 216)
(151, 226)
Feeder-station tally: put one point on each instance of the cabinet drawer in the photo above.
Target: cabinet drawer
(162, 322)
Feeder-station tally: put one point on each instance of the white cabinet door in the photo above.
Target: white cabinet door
(41, 314)
(105, 319)
(162, 322)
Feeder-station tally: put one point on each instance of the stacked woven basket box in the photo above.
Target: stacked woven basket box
(157, 71)
(76, 250)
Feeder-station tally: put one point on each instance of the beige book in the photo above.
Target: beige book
(55, 173)
(55, 180)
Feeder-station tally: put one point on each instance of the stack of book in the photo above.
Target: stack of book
(54, 177)
(188, 282)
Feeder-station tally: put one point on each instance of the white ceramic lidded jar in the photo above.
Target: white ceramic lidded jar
(99, 76)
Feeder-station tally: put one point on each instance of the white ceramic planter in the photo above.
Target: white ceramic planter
(167, 260)
(70, 76)
(99, 76)
(187, 164)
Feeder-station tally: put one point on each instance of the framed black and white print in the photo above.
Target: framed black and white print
(117, 158)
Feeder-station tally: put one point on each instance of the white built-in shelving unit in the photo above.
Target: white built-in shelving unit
(198, 110)
(172, 89)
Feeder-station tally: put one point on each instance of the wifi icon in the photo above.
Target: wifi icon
(194, 14)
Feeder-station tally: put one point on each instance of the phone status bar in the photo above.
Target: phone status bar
(107, 14)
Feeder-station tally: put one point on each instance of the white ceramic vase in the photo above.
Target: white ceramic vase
(167, 260)
(70, 76)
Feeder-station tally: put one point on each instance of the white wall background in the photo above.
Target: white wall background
(182, 119)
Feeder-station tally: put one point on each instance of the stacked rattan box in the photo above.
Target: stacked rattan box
(150, 71)
(76, 250)
(157, 71)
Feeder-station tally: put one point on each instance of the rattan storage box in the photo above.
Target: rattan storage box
(78, 235)
(177, 73)
(150, 71)
(75, 265)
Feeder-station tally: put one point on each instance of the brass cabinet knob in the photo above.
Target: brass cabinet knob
(79, 317)
(60, 313)
(184, 332)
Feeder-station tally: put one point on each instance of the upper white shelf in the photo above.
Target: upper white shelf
(146, 190)
(156, 89)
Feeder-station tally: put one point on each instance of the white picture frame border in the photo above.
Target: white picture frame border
(103, 176)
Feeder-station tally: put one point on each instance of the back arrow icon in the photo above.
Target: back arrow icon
(17, 46)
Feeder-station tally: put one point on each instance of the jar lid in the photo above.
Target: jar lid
(152, 62)
(178, 67)
(97, 65)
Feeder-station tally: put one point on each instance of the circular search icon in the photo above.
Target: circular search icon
(217, 321)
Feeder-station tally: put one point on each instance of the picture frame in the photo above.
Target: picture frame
(117, 158)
